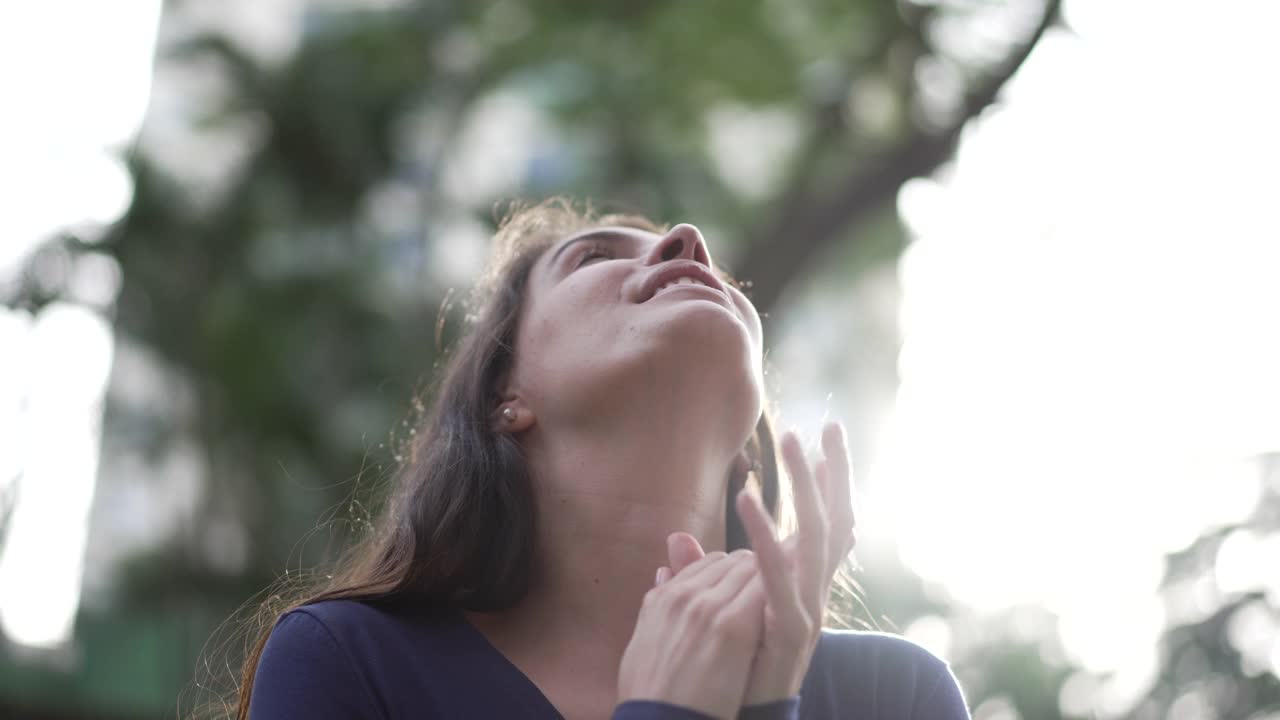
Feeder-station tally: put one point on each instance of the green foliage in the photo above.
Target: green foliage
(299, 313)
(272, 297)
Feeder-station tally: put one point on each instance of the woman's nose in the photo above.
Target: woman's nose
(682, 241)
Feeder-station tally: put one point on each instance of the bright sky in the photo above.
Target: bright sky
(76, 75)
(1088, 371)
(1088, 367)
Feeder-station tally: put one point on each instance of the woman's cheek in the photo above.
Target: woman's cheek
(749, 314)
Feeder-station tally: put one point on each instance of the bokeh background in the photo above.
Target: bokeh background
(1029, 251)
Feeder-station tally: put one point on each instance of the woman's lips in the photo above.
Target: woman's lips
(676, 270)
(695, 288)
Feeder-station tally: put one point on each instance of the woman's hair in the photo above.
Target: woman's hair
(457, 525)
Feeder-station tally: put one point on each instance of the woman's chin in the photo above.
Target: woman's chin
(708, 331)
(720, 350)
(702, 310)
(697, 313)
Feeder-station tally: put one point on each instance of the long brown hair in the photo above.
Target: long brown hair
(457, 524)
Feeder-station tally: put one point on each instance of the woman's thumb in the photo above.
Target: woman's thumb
(682, 550)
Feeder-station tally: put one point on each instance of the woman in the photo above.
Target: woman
(568, 536)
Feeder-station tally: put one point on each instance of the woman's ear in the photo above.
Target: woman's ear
(512, 416)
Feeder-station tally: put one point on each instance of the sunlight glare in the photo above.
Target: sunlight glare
(65, 122)
(77, 78)
(40, 569)
(1088, 363)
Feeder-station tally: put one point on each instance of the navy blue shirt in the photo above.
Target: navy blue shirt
(357, 660)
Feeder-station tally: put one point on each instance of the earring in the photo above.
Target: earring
(508, 414)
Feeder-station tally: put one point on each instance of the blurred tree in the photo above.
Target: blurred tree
(1220, 650)
(301, 317)
(289, 308)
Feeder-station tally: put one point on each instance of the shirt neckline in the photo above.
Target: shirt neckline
(532, 695)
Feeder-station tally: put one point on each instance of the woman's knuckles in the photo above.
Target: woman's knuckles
(701, 611)
(737, 631)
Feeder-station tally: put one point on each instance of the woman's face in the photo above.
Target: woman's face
(618, 314)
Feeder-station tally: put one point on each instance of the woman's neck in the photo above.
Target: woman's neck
(604, 512)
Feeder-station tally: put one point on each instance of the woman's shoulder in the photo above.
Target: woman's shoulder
(307, 667)
(339, 619)
(344, 612)
(885, 675)
(371, 628)
(882, 647)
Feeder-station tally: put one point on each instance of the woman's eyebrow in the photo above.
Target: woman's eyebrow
(611, 235)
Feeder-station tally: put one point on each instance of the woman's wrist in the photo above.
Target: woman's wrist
(784, 709)
(774, 682)
(657, 710)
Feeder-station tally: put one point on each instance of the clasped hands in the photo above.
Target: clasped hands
(718, 631)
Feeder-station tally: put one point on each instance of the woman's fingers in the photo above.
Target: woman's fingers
(663, 575)
(775, 565)
(750, 600)
(839, 490)
(812, 524)
(822, 479)
(705, 571)
(683, 550)
(740, 568)
(686, 648)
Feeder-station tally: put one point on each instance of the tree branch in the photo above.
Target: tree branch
(802, 230)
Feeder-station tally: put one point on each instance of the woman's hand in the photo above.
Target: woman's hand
(796, 574)
(695, 637)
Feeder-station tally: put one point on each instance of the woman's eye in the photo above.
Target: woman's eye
(592, 254)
